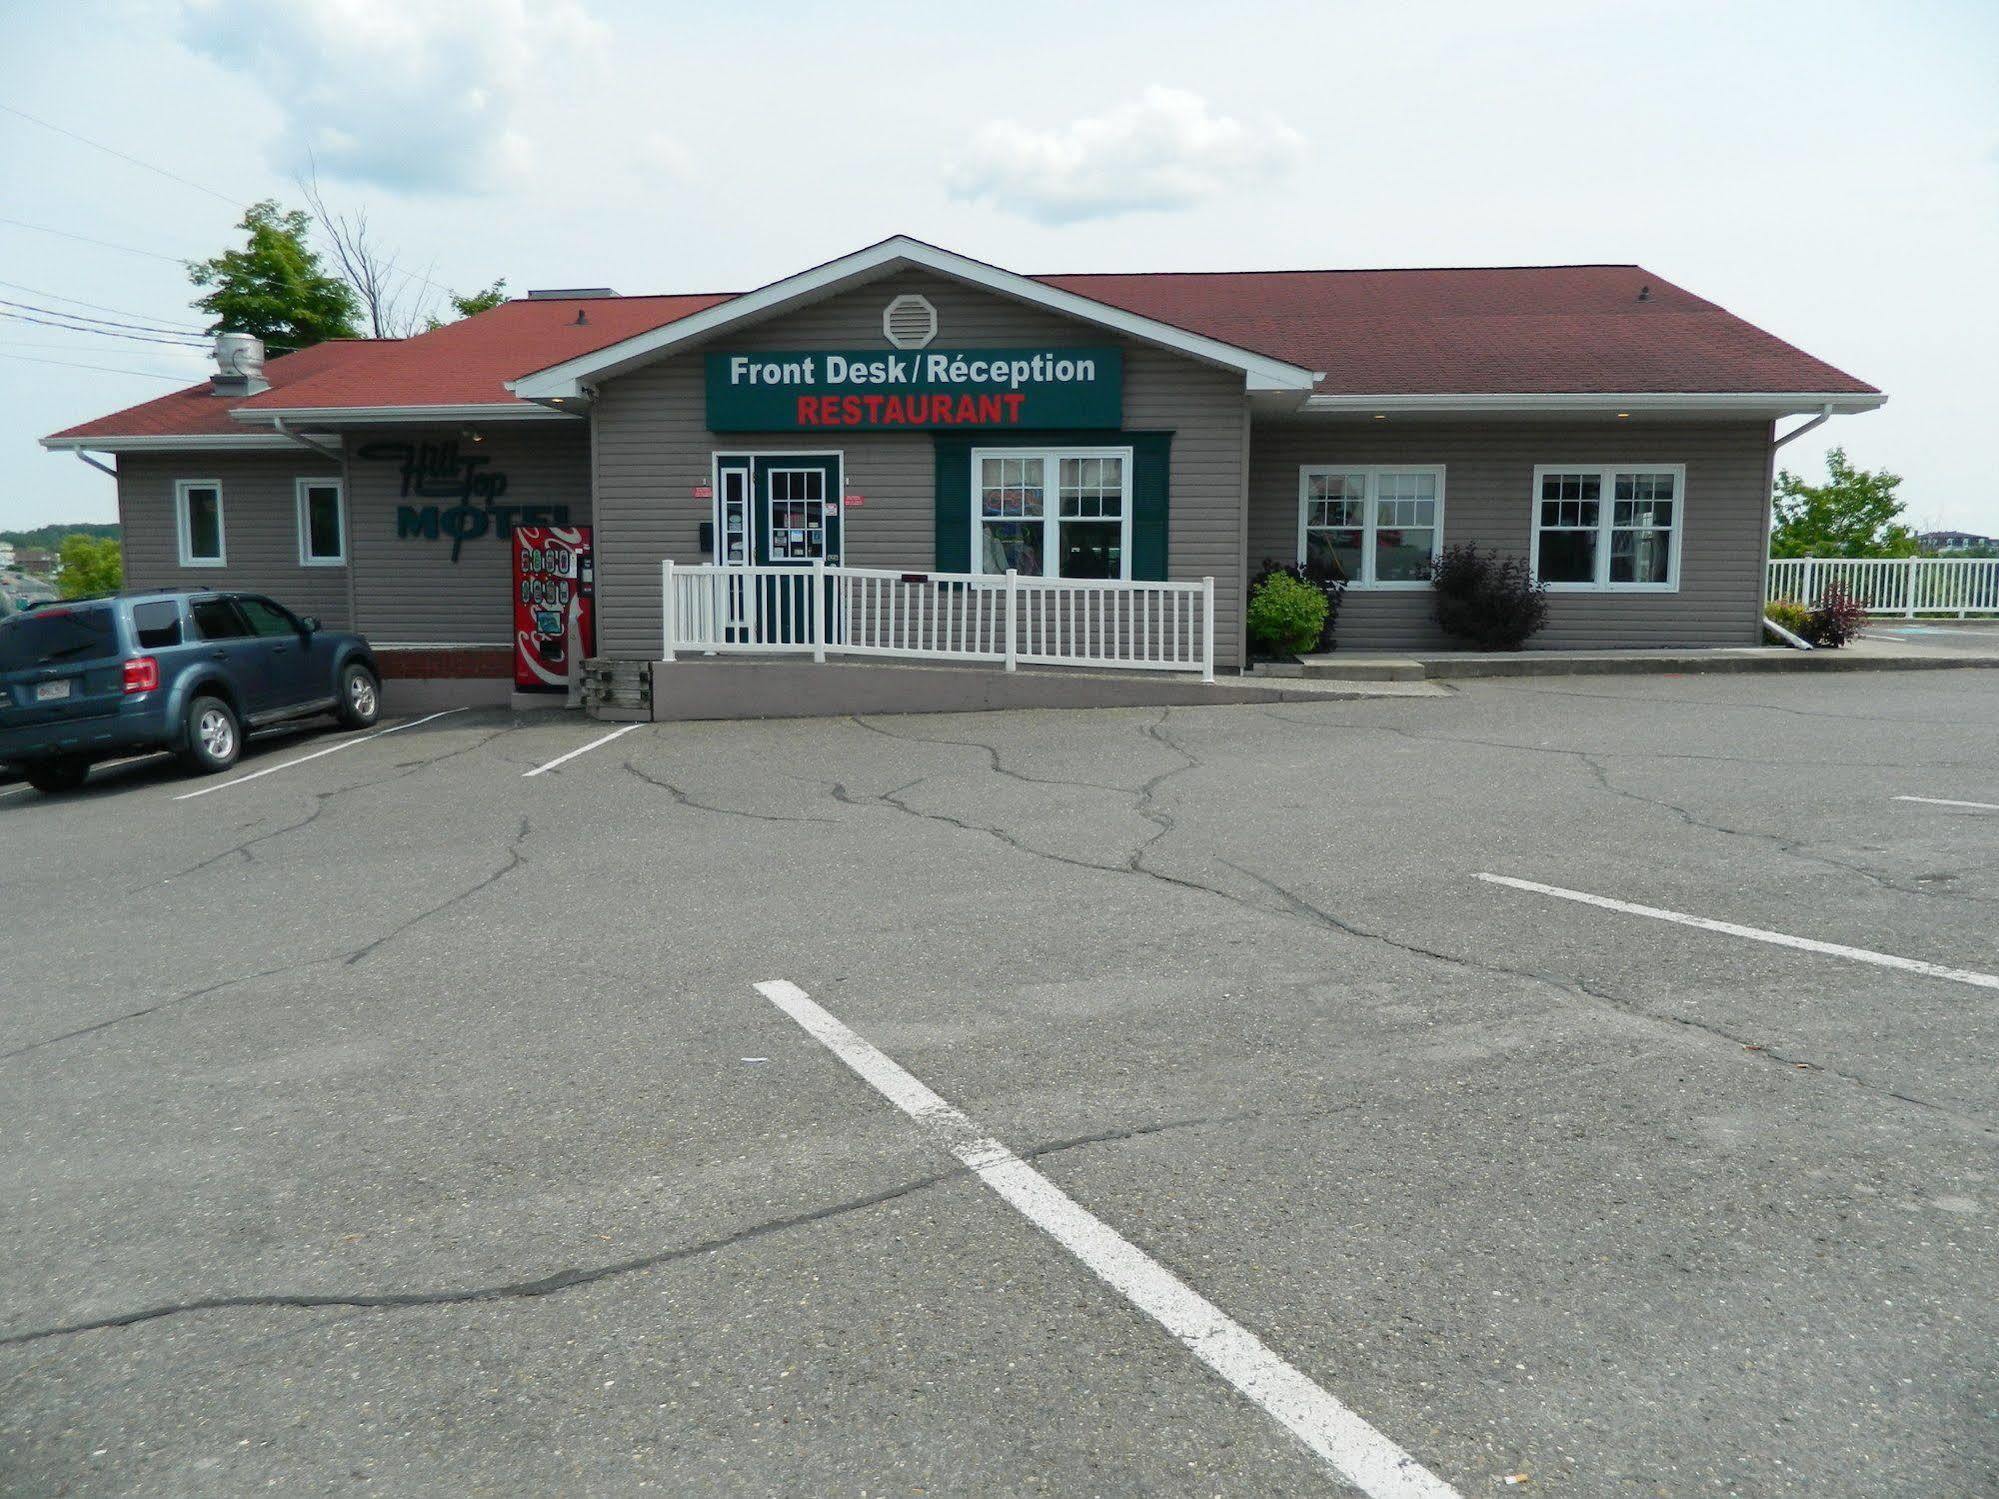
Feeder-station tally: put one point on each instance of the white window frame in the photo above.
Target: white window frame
(300, 488)
(1606, 477)
(184, 532)
(1051, 505)
(1370, 492)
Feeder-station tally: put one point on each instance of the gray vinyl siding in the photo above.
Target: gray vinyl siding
(407, 590)
(1488, 500)
(653, 448)
(259, 528)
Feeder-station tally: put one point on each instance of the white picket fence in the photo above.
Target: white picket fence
(1892, 585)
(1008, 619)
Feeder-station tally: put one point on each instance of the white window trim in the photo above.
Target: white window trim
(1370, 490)
(300, 488)
(1606, 510)
(1051, 504)
(187, 557)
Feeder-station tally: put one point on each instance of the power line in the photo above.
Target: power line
(9, 343)
(87, 240)
(111, 151)
(178, 341)
(96, 322)
(100, 307)
(102, 368)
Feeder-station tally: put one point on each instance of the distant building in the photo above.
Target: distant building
(6, 554)
(36, 560)
(1954, 541)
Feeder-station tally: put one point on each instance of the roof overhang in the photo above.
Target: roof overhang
(570, 379)
(1592, 403)
(206, 442)
(401, 416)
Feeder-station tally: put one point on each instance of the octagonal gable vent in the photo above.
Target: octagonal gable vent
(909, 322)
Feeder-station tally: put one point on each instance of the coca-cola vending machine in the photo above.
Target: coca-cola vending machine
(555, 587)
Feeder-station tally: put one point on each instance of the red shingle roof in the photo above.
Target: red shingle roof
(198, 412)
(1510, 330)
(1507, 330)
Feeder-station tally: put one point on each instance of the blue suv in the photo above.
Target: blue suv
(94, 679)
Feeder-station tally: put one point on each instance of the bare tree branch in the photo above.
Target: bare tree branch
(398, 302)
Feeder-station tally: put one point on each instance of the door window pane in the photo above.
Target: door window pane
(219, 619)
(267, 618)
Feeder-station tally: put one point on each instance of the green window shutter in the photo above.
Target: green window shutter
(1151, 483)
(954, 505)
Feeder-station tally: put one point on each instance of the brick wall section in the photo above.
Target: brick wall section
(423, 663)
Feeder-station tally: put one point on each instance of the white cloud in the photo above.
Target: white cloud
(1165, 149)
(414, 95)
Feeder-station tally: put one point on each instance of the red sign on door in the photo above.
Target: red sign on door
(554, 589)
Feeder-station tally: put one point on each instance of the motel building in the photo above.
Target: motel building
(905, 458)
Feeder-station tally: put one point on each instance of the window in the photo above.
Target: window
(1374, 527)
(219, 619)
(1608, 528)
(322, 528)
(51, 635)
(1054, 513)
(266, 618)
(198, 511)
(157, 624)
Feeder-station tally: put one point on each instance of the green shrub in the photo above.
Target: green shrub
(1285, 615)
(1317, 575)
(1791, 614)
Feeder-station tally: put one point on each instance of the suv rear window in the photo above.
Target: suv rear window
(49, 637)
(157, 624)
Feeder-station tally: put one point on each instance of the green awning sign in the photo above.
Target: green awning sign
(922, 389)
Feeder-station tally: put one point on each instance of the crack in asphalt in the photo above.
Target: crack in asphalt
(1715, 702)
(154, 1009)
(1799, 848)
(687, 800)
(565, 1279)
(515, 859)
(1290, 905)
(403, 768)
(992, 755)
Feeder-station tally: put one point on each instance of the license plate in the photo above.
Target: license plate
(48, 692)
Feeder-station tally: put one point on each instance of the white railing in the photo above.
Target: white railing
(1005, 618)
(1892, 585)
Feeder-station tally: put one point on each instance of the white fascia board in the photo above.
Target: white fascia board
(405, 416)
(1720, 403)
(566, 380)
(205, 442)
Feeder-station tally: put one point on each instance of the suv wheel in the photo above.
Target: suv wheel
(214, 738)
(360, 698)
(57, 775)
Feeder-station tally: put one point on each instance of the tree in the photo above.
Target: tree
(1853, 514)
(274, 286)
(470, 303)
(88, 565)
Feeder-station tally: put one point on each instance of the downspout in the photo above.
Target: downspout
(102, 468)
(1824, 416)
(1770, 625)
(325, 452)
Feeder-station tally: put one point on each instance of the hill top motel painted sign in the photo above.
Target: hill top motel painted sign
(918, 389)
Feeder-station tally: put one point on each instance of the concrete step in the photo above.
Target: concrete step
(1363, 668)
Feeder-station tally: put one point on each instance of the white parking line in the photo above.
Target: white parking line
(1940, 801)
(1755, 933)
(1360, 1454)
(583, 750)
(331, 749)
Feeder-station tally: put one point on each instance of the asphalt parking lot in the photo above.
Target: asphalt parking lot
(384, 1117)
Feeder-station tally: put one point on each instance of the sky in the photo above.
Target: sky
(1828, 171)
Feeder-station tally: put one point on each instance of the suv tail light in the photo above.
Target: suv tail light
(142, 674)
